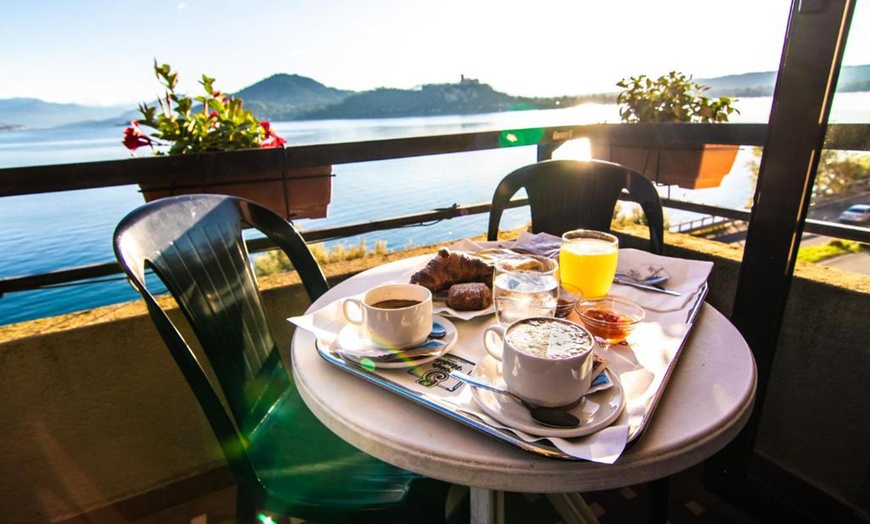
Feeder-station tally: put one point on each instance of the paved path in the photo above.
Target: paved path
(856, 262)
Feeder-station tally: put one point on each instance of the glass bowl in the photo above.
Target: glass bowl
(610, 319)
(568, 298)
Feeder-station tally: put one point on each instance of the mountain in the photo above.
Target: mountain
(852, 78)
(469, 96)
(284, 97)
(747, 84)
(31, 112)
(278, 98)
(294, 97)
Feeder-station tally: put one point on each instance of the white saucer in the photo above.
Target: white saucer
(353, 345)
(598, 411)
(440, 306)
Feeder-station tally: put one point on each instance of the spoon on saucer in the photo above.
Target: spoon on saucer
(651, 280)
(627, 280)
(551, 417)
(432, 346)
(438, 331)
(426, 349)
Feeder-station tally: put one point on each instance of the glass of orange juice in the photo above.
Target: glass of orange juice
(587, 262)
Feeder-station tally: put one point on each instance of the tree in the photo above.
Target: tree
(839, 172)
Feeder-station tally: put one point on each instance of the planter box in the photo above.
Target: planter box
(259, 175)
(690, 167)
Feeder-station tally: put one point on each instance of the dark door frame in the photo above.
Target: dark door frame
(809, 68)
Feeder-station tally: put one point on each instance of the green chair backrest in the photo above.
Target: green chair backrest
(573, 194)
(194, 244)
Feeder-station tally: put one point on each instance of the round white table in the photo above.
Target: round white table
(706, 402)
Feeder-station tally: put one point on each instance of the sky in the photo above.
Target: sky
(100, 52)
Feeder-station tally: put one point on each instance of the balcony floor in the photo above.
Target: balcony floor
(689, 503)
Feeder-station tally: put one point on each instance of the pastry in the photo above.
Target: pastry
(470, 296)
(452, 267)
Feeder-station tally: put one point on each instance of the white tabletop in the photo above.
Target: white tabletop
(706, 402)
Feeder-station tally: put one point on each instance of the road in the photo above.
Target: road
(828, 211)
(856, 262)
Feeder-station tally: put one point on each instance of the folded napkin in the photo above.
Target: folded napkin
(603, 446)
(686, 277)
(325, 323)
(543, 244)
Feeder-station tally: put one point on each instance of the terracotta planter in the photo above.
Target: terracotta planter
(690, 167)
(259, 175)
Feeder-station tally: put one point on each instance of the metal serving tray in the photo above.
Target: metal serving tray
(641, 396)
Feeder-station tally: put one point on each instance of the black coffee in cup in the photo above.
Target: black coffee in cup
(395, 304)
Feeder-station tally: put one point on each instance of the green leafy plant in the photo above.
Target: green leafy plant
(670, 98)
(276, 261)
(832, 249)
(217, 123)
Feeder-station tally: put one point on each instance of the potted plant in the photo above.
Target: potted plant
(671, 98)
(220, 147)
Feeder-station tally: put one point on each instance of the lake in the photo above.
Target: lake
(58, 230)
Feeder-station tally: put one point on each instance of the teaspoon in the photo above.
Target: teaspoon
(426, 349)
(651, 280)
(552, 417)
(628, 281)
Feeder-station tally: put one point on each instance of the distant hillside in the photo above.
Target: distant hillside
(284, 97)
(287, 97)
(852, 78)
(466, 97)
(747, 84)
(31, 112)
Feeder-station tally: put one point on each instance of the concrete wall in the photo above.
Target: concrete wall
(92, 415)
(814, 420)
(94, 410)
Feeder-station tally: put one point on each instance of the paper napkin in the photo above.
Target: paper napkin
(686, 277)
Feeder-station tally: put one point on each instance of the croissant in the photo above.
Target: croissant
(452, 267)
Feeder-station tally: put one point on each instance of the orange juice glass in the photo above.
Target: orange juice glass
(587, 262)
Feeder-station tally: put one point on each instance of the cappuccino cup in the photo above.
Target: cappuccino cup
(393, 315)
(544, 360)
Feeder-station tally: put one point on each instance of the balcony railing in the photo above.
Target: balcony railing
(67, 177)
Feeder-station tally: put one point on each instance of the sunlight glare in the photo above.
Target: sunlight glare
(577, 149)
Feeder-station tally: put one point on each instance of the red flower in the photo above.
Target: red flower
(271, 139)
(134, 138)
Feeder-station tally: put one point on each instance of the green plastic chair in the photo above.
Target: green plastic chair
(574, 194)
(283, 459)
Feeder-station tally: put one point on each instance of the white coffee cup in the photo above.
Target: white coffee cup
(392, 315)
(547, 361)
